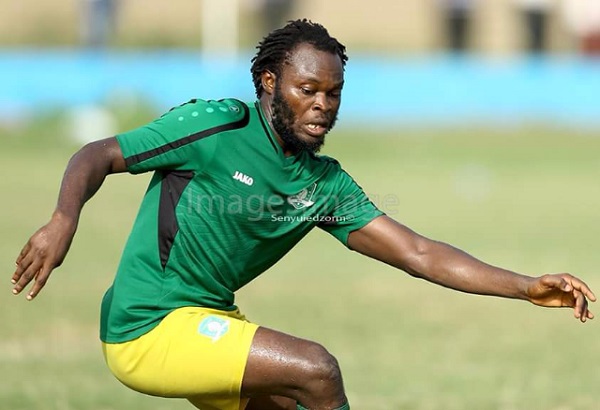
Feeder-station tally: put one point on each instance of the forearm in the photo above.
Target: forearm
(388, 241)
(48, 246)
(393, 243)
(445, 265)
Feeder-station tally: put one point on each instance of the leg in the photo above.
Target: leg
(283, 365)
(257, 403)
(271, 403)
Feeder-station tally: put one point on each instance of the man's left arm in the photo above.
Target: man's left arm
(386, 240)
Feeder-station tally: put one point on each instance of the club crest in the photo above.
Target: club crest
(303, 199)
(213, 327)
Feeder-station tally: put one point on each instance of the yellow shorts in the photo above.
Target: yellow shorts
(195, 353)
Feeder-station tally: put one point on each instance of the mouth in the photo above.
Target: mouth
(316, 130)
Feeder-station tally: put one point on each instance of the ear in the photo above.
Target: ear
(268, 80)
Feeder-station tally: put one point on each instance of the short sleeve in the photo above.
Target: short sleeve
(185, 138)
(352, 209)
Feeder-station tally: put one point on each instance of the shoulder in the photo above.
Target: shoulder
(325, 160)
(333, 171)
(209, 113)
(327, 168)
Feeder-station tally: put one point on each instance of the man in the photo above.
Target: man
(457, 16)
(235, 187)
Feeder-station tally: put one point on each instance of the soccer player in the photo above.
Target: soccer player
(235, 187)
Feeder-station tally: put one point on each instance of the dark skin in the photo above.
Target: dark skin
(282, 369)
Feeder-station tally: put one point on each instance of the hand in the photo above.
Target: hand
(45, 250)
(562, 290)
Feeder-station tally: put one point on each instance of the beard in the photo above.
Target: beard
(283, 120)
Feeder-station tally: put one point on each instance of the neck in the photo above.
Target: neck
(266, 103)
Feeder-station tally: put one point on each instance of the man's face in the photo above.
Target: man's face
(307, 98)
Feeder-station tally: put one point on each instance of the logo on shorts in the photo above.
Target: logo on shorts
(213, 327)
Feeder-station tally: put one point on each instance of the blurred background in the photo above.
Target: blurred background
(475, 122)
(434, 60)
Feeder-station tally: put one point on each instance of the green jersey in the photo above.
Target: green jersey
(223, 206)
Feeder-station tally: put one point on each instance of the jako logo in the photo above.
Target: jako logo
(243, 178)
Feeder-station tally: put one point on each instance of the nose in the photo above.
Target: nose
(322, 102)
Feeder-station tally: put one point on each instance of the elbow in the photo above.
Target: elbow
(104, 155)
(92, 151)
(416, 260)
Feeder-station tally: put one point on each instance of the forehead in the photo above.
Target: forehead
(305, 62)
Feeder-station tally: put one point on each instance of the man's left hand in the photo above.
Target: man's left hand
(562, 290)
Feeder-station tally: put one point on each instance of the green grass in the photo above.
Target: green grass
(525, 199)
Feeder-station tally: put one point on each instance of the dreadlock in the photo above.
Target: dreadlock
(276, 47)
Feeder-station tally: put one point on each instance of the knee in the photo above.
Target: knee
(322, 369)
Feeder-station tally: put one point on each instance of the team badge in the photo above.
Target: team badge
(213, 327)
(303, 199)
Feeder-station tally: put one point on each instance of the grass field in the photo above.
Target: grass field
(525, 198)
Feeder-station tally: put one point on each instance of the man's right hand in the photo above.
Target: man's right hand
(45, 250)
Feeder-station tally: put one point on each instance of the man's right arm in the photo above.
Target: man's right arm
(47, 248)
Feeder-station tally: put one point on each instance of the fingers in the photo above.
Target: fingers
(39, 275)
(32, 264)
(565, 286)
(40, 280)
(574, 293)
(583, 287)
(23, 252)
(581, 294)
(580, 308)
(21, 264)
(26, 272)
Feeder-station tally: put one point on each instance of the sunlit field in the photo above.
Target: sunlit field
(525, 198)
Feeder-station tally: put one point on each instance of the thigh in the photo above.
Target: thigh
(194, 353)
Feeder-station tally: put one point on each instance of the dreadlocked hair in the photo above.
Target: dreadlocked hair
(275, 48)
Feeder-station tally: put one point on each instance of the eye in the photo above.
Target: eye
(335, 94)
(307, 91)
